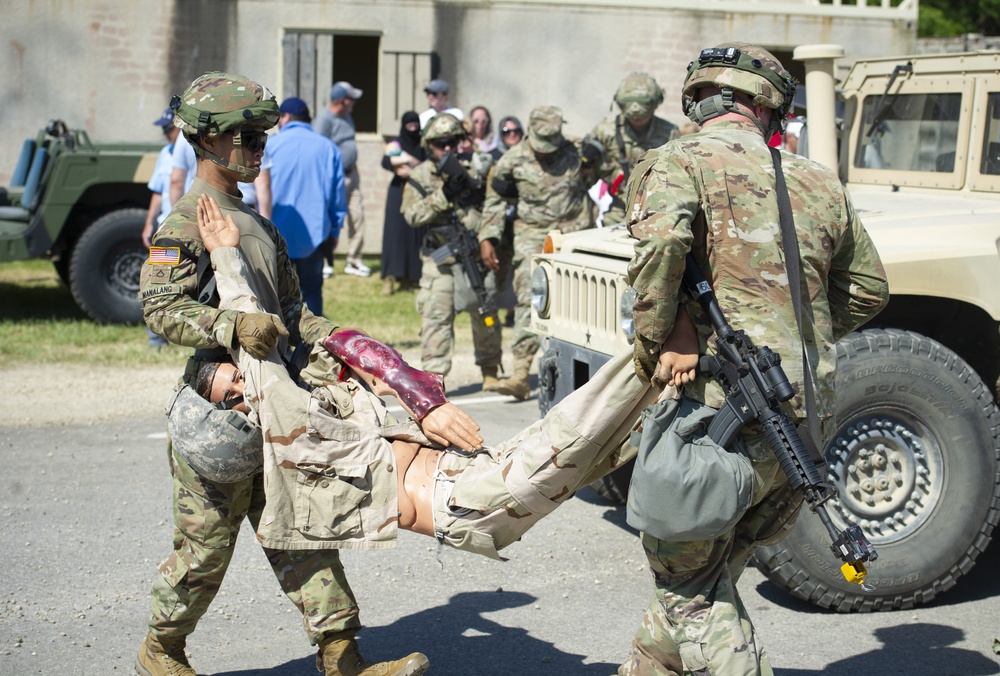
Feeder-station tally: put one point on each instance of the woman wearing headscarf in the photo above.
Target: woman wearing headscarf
(510, 134)
(401, 267)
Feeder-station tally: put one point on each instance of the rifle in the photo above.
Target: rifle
(462, 246)
(755, 385)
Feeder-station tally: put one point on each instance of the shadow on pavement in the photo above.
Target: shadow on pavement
(459, 640)
(909, 649)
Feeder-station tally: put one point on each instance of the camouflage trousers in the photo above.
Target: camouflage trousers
(207, 518)
(485, 502)
(524, 343)
(696, 622)
(436, 304)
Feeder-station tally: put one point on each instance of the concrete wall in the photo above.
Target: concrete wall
(110, 67)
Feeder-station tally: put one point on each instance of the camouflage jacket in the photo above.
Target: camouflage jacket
(550, 195)
(633, 143)
(424, 203)
(713, 192)
(169, 286)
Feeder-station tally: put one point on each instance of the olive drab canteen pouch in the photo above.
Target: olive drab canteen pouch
(685, 486)
(220, 445)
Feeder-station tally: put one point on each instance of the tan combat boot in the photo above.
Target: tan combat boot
(490, 381)
(163, 657)
(340, 657)
(517, 385)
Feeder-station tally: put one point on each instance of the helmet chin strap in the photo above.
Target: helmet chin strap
(245, 174)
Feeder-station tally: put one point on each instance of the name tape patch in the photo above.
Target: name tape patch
(164, 255)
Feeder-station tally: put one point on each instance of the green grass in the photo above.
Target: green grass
(40, 322)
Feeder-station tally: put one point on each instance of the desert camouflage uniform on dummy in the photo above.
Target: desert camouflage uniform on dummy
(637, 97)
(550, 193)
(698, 194)
(207, 515)
(426, 204)
(483, 502)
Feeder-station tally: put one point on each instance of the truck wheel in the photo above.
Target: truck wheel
(104, 267)
(614, 486)
(915, 462)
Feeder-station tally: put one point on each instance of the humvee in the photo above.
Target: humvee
(915, 460)
(82, 205)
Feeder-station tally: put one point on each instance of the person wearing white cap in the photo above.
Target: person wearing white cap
(335, 122)
(437, 99)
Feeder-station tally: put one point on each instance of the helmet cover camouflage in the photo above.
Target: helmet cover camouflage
(743, 67)
(545, 129)
(638, 95)
(219, 102)
(443, 125)
(219, 445)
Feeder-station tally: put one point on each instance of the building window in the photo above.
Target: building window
(314, 60)
(392, 84)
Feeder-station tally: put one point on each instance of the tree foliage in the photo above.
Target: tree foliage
(949, 18)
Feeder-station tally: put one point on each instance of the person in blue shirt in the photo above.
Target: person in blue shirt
(159, 185)
(308, 202)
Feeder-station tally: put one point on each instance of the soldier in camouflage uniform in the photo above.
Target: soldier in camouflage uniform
(626, 136)
(713, 193)
(431, 199)
(547, 181)
(225, 118)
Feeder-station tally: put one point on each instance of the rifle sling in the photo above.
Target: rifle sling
(790, 247)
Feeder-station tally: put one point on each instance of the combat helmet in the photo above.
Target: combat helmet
(638, 95)
(743, 67)
(217, 103)
(442, 125)
(219, 444)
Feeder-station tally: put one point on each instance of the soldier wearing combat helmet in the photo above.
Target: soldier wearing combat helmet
(225, 117)
(626, 136)
(448, 186)
(546, 179)
(714, 194)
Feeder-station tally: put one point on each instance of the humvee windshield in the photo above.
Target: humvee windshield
(914, 132)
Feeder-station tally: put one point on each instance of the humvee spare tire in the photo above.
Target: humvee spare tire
(916, 463)
(104, 267)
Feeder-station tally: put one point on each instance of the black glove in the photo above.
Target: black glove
(591, 153)
(505, 187)
(455, 185)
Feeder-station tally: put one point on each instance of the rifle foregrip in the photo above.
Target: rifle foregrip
(791, 452)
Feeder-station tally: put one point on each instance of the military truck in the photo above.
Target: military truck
(915, 460)
(83, 205)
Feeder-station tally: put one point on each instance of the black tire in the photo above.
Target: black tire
(919, 436)
(104, 267)
(614, 486)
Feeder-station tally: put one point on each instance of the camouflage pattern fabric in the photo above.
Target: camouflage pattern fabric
(635, 145)
(208, 515)
(168, 291)
(329, 475)
(484, 503)
(697, 193)
(713, 193)
(226, 97)
(428, 206)
(207, 519)
(552, 195)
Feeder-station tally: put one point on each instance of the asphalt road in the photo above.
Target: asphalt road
(85, 516)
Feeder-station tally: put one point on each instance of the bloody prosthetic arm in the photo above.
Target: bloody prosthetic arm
(381, 366)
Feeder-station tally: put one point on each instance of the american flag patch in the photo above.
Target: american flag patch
(164, 255)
